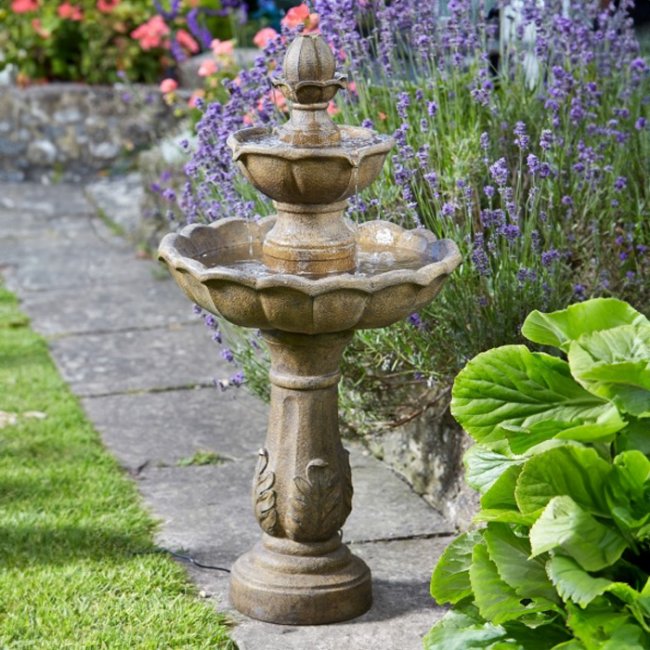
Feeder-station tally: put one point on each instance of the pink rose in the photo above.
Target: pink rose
(69, 12)
(207, 68)
(296, 16)
(24, 6)
(168, 86)
(264, 37)
(186, 41)
(222, 48)
(150, 33)
(106, 6)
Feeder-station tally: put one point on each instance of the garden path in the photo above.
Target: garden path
(125, 339)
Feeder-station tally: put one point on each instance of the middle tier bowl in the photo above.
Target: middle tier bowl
(398, 272)
(310, 175)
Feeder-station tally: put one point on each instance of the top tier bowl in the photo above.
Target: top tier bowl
(310, 175)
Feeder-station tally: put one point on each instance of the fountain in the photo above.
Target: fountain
(307, 278)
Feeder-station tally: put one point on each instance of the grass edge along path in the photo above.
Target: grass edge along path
(78, 565)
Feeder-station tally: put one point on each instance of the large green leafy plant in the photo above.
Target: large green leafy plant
(562, 559)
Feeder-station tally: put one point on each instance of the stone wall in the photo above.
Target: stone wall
(427, 451)
(69, 132)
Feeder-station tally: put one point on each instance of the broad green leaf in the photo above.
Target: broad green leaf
(485, 466)
(630, 637)
(603, 625)
(578, 472)
(464, 629)
(602, 429)
(636, 435)
(450, 579)
(501, 494)
(505, 516)
(628, 491)
(573, 582)
(559, 328)
(459, 631)
(497, 602)
(615, 365)
(574, 644)
(564, 525)
(510, 555)
(511, 387)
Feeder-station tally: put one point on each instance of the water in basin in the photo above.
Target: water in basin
(368, 263)
(352, 140)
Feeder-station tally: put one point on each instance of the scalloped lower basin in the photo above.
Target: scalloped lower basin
(398, 272)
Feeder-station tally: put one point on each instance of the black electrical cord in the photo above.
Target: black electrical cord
(186, 558)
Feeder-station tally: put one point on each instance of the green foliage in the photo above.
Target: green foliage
(561, 464)
(78, 565)
(45, 45)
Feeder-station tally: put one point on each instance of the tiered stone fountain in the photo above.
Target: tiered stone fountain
(307, 278)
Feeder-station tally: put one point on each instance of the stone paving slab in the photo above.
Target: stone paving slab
(71, 311)
(44, 200)
(401, 614)
(17, 224)
(79, 265)
(139, 360)
(162, 428)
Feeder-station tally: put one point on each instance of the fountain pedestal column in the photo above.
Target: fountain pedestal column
(300, 572)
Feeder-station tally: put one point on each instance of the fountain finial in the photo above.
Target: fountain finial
(310, 82)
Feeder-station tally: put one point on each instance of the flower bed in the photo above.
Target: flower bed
(539, 172)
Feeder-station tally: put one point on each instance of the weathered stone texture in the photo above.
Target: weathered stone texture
(70, 131)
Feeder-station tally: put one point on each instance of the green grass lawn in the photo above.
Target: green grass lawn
(78, 567)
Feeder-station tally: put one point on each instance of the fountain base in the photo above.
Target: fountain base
(294, 583)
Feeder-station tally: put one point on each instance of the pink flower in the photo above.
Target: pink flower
(207, 68)
(296, 16)
(106, 6)
(69, 12)
(275, 97)
(38, 28)
(352, 87)
(150, 33)
(186, 41)
(222, 48)
(264, 37)
(24, 6)
(168, 86)
(332, 109)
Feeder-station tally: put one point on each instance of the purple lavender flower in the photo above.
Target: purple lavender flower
(522, 140)
(499, 172)
(640, 124)
(533, 163)
(415, 320)
(237, 379)
(550, 256)
(620, 183)
(227, 355)
(448, 209)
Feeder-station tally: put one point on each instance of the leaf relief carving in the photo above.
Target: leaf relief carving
(264, 495)
(318, 506)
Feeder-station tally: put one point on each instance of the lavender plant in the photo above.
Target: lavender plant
(535, 164)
